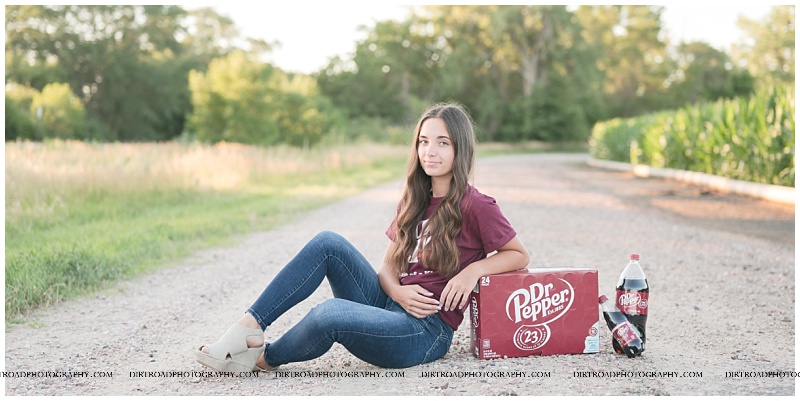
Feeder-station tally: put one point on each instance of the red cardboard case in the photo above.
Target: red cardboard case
(539, 311)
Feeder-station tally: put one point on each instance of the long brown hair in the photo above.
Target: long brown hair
(441, 253)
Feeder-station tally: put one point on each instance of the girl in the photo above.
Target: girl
(406, 313)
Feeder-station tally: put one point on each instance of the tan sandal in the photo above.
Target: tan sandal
(230, 353)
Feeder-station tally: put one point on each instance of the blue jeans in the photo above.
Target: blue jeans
(361, 317)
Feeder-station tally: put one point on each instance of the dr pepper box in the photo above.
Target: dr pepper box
(537, 311)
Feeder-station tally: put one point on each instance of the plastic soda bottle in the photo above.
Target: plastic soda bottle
(624, 334)
(632, 297)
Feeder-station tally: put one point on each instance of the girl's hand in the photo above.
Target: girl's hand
(456, 292)
(416, 300)
(509, 257)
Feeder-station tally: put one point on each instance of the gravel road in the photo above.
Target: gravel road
(720, 267)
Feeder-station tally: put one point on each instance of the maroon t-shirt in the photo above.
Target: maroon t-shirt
(484, 229)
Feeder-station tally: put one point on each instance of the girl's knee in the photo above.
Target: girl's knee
(330, 314)
(327, 239)
(330, 241)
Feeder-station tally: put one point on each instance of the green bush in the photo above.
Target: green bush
(240, 99)
(57, 112)
(369, 130)
(19, 122)
(749, 139)
(550, 114)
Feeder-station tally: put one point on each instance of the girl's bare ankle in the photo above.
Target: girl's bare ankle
(263, 364)
(247, 320)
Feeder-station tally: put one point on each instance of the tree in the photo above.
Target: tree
(769, 52)
(233, 101)
(550, 114)
(391, 68)
(498, 61)
(473, 68)
(703, 73)
(19, 120)
(303, 116)
(58, 112)
(209, 35)
(129, 65)
(117, 59)
(507, 62)
(240, 99)
(531, 33)
(631, 56)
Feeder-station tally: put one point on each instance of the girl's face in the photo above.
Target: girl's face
(435, 149)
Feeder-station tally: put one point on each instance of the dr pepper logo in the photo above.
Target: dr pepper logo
(474, 305)
(631, 302)
(540, 303)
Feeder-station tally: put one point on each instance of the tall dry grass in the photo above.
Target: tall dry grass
(41, 178)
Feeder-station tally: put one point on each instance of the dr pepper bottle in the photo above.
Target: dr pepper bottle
(632, 298)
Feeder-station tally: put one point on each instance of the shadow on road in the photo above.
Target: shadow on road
(696, 205)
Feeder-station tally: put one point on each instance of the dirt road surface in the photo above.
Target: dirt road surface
(721, 270)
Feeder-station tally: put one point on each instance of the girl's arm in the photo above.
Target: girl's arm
(416, 300)
(509, 257)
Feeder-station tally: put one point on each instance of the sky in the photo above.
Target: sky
(311, 32)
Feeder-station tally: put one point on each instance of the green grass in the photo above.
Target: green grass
(62, 243)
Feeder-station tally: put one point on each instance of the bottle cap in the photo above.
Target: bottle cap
(634, 256)
(603, 298)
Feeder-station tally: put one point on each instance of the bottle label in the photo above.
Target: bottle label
(625, 333)
(632, 302)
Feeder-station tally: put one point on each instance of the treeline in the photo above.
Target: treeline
(153, 73)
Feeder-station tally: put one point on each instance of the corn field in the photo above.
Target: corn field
(749, 139)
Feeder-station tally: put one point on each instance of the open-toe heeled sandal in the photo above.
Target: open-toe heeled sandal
(230, 353)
